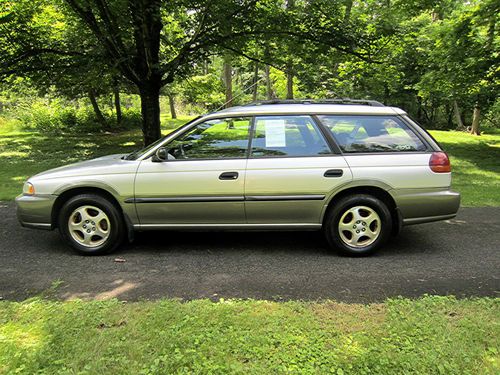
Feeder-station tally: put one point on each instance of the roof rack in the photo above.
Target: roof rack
(348, 101)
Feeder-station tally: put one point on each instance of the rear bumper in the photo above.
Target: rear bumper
(35, 211)
(426, 205)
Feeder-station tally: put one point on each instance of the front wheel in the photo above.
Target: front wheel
(358, 225)
(91, 224)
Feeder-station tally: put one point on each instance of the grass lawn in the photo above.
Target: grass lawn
(475, 166)
(475, 160)
(438, 335)
(23, 154)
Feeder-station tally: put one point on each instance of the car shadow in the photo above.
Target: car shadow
(410, 241)
(220, 242)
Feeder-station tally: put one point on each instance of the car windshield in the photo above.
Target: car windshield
(143, 151)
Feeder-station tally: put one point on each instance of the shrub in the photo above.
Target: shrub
(132, 118)
(59, 116)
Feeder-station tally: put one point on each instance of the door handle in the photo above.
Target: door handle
(334, 173)
(228, 176)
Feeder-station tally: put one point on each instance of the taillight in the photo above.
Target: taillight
(439, 162)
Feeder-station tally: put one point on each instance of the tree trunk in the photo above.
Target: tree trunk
(150, 109)
(348, 9)
(289, 65)
(228, 80)
(449, 115)
(289, 82)
(458, 117)
(386, 93)
(255, 80)
(475, 120)
(118, 104)
(269, 84)
(171, 103)
(98, 114)
(419, 109)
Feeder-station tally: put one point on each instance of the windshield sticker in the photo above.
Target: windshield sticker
(275, 133)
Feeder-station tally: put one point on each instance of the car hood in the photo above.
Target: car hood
(111, 164)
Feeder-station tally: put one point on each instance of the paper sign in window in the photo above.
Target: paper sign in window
(275, 133)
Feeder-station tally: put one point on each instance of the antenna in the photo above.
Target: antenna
(237, 96)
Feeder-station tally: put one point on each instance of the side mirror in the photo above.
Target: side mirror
(160, 156)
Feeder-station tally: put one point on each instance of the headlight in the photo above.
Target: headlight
(28, 188)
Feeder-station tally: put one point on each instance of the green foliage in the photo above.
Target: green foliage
(54, 115)
(492, 117)
(203, 92)
(439, 335)
(423, 56)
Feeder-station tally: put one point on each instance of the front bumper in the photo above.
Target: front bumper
(35, 211)
(426, 205)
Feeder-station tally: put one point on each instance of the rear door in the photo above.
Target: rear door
(290, 171)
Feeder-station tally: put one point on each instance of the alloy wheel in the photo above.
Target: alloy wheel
(89, 226)
(359, 226)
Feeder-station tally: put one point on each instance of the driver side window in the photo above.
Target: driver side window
(213, 139)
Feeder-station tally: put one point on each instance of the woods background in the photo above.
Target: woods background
(107, 65)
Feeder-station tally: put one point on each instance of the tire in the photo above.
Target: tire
(91, 224)
(358, 225)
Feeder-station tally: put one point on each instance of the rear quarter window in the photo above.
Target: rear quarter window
(372, 134)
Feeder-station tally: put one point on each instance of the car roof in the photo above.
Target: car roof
(307, 109)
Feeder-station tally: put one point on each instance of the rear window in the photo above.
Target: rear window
(372, 134)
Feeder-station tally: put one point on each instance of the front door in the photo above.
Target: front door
(290, 172)
(203, 180)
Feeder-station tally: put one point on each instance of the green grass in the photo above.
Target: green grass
(438, 335)
(168, 123)
(475, 160)
(475, 166)
(23, 154)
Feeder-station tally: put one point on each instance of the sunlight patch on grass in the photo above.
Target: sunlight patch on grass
(19, 178)
(86, 145)
(12, 154)
(20, 336)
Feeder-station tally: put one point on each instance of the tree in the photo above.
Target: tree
(151, 42)
(462, 45)
(148, 41)
(54, 53)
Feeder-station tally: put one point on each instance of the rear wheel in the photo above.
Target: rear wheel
(91, 224)
(358, 225)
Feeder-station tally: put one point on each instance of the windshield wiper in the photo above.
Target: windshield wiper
(131, 155)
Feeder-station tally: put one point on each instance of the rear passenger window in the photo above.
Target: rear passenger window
(287, 136)
(372, 134)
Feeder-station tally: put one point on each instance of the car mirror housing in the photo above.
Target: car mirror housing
(161, 155)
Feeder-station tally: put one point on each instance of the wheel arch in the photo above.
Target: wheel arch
(376, 191)
(74, 191)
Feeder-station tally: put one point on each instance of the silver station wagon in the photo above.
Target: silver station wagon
(357, 170)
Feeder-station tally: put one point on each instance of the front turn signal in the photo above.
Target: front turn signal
(28, 189)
